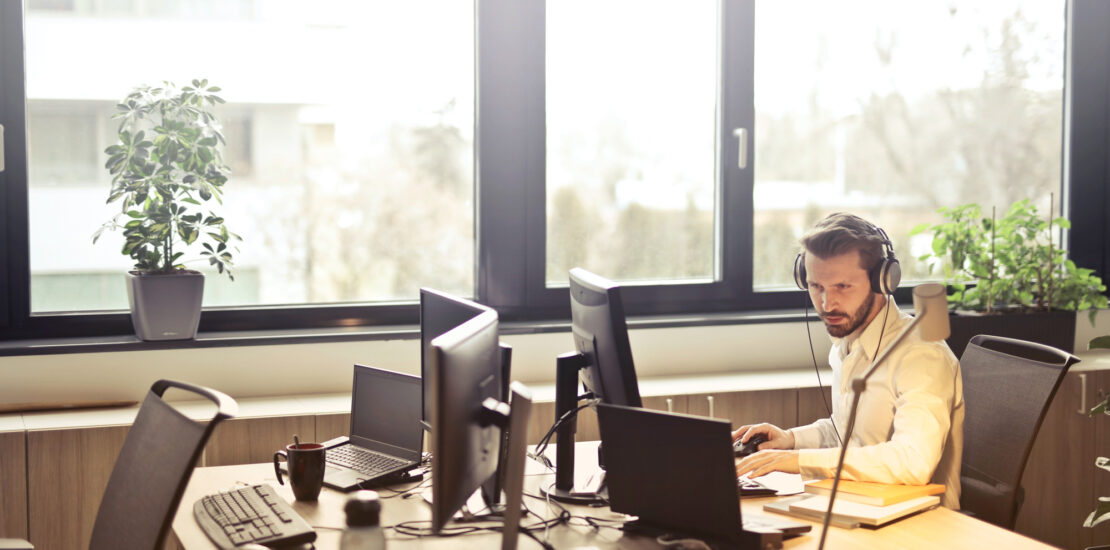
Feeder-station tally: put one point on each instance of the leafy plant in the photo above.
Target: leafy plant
(168, 161)
(1009, 263)
(1102, 512)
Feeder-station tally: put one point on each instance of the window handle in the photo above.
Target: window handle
(1, 147)
(742, 155)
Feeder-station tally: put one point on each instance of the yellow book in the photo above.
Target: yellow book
(864, 514)
(875, 494)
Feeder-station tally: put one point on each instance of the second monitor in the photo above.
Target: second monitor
(602, 361)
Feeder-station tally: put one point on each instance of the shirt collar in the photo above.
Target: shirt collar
(868, 336)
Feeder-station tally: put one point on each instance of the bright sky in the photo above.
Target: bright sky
(936, 45)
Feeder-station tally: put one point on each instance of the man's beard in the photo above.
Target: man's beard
(855, 320)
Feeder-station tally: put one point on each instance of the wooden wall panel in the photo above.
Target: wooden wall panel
(67, 471)
(13, 485)
(251, 440)
(659, 403)
(1060, 476)
(543, 414)
(811, 406)
(778, 407)
(330, 426)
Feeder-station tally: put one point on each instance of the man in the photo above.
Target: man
(909, 426)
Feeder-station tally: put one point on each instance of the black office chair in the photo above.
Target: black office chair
(153, 468)
(1008, 386)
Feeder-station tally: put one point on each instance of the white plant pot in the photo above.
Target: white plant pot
(165, 306)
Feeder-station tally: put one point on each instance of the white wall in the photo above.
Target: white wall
(324, 368)
(249, 371)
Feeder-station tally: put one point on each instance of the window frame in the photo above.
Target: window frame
(510, 193)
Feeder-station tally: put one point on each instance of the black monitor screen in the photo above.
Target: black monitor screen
(601, 334)
(466, 363)
(439, 313)
(385, 413)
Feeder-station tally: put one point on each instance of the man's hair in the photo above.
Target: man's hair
(841, 233)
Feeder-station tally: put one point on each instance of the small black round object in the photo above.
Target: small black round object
(363, 509)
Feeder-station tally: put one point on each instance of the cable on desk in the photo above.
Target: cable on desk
(404, 493)
(670, 541)
(415, 529)
(542, 446)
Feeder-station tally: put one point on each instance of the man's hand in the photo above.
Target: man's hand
(765, 462)
(777, 438)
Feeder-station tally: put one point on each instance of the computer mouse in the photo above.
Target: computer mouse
(744, 449)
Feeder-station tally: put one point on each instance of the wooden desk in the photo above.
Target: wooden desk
(938, 528)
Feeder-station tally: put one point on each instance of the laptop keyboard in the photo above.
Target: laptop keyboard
(747, 487)
(363, 461)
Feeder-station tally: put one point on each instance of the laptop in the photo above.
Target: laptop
(677, 474)
(386, 439)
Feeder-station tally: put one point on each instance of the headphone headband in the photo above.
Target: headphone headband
(884, 276)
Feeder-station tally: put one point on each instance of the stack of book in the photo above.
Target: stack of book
(860, 502)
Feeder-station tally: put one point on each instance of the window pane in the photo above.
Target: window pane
(349, 128)
(891, 110)
(631, 103)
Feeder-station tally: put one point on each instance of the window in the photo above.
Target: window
(892, 110)
(349, 137)
(486, 148)
(631, 139)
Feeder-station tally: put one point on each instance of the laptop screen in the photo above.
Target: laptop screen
(672, 470)
(385, 412)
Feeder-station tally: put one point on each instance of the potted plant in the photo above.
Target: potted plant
(165, 167)
(1006, 277)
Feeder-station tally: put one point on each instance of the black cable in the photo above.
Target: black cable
(403, 493)
(857, 390)
(542, 446)
(813, 354)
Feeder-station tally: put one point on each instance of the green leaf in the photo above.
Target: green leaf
(1101, 407)
(1101, 342)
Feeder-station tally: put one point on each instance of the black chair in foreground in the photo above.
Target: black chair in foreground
(153, 468)
(1008, 386)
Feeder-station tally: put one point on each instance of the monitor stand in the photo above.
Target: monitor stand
(562, 489)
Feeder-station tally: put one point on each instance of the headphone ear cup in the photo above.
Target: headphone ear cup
(800, 271)
(892, 275)
(886, 276)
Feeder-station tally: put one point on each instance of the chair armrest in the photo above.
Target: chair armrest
(226, 407)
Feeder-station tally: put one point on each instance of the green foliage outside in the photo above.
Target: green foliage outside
(1010, 263)
(168, 161)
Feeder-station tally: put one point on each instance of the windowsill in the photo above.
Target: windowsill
(354, 334)
(339, 403)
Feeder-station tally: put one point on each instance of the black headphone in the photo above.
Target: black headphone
(884, 277)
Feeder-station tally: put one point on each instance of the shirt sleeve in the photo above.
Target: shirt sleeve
(818, 434)
(924, 386)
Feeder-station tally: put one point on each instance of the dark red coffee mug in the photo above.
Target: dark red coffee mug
(305, 462)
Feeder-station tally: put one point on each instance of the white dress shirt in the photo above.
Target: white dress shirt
(909, 426)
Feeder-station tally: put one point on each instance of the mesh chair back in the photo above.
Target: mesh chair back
(1008, 386)
(153, 468)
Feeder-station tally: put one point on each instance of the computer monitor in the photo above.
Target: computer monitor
(465, 440)
(602, 361)
(601, 335)
(439, 313)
